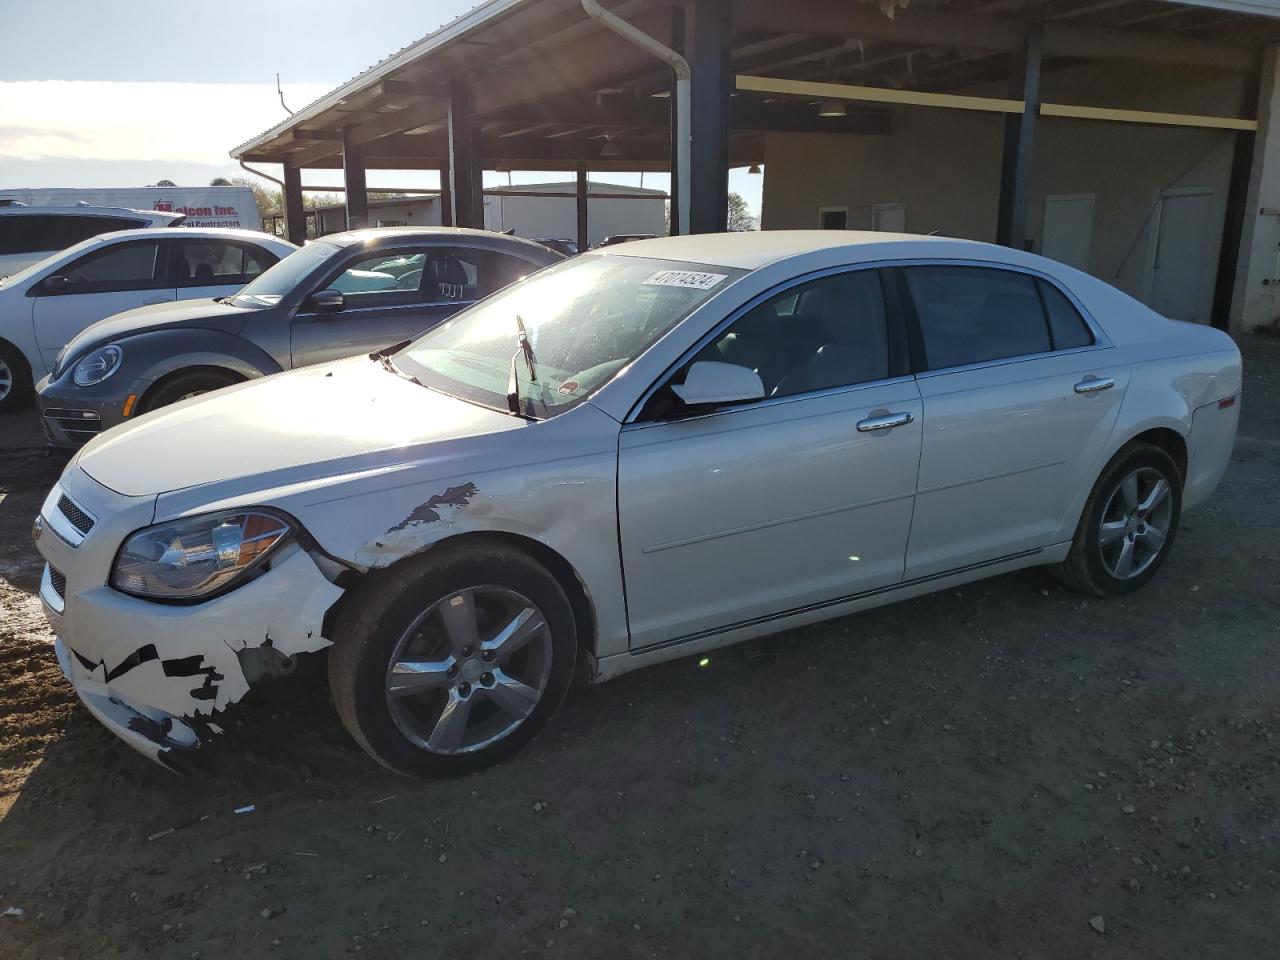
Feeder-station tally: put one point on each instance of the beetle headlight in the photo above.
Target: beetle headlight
(97, 366)
(198, 556)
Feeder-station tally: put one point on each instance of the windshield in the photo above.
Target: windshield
(585, 320)
(274, 284)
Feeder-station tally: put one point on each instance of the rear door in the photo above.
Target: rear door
(1020, 393)
(101, 283)
(395, 294)
(747, 512)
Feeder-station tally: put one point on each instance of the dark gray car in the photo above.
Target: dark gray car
(345, 294)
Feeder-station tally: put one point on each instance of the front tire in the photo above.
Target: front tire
(185, 386)
(1128, 525)
(452, 661)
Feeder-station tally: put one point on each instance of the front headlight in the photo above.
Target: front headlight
(199, 556)
(97, 366)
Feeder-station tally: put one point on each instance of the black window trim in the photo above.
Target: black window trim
(915, 335)
(899, 355)
(162, 283)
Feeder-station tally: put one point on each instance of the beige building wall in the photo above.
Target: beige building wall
(945, 166)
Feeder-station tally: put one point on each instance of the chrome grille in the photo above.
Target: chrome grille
(75, 516)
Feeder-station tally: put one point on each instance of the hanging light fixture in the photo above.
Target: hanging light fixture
(610, 149)
(754, 168)
(832, 108)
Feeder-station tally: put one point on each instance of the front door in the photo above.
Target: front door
(1180, 270)
(1019, 399)
(733, 514)
(103, 282)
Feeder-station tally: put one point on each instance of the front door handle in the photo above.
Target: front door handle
(884, 421)
(1093, 384)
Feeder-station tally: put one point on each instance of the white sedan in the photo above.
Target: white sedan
(45, 305)
(638, 454)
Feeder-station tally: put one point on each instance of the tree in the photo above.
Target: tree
(165, 183)
(740, 217)
(220, 182)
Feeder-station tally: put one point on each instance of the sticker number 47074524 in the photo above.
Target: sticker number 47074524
(685, 278)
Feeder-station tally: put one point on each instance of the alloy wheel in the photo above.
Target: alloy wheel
(6, 380)
(1135, 523)
(469, 670)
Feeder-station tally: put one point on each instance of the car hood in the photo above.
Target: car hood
(206, 313)
(338, 418)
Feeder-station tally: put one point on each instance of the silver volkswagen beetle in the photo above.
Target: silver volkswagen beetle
(638, 454)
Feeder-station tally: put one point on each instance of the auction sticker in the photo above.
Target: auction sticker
(684, 278)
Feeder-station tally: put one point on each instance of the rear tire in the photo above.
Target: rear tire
(187, 385)
(1128, 524)
(15, 378)
(419, 672)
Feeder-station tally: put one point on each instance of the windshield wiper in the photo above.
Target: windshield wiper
(524, 349)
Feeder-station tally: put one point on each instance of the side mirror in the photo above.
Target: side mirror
(55, 283)
(709, 381)
(327, 301)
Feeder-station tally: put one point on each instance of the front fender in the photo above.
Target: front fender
(162, 352)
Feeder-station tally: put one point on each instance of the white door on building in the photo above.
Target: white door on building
(1068, 229)
(1179, 271)
(889, 217)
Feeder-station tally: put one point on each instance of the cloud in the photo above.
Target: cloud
(101, 120)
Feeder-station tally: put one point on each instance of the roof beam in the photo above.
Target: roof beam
(945, 29)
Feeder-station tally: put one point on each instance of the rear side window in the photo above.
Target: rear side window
(212, 263)
(975, 314)
(1066, 326)
(41, 233)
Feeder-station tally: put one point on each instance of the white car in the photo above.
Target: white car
(29, 234)
(634, 455)
(44, 306)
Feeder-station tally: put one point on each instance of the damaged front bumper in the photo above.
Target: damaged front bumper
(157, 674)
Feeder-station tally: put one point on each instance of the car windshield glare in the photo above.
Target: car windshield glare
(275, 283)
(585, 319)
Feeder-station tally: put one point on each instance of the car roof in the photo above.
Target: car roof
(225, 233)
(752, 249)
(441, 234)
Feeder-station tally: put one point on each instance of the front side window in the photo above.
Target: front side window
(585, 319)
(68, 229)
(975, 314)
(827, 333)
(126, 266)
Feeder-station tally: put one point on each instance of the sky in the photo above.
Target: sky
(118, 94)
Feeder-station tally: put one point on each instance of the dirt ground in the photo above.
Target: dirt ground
(1006, 770)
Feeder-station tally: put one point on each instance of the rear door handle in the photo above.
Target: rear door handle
(1093, 384)
(886, 421)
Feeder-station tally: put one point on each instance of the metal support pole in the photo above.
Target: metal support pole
(582, 207)
(295, 220)
(354, 183)
(466, 185)
(712, 83)
(446, 199)
(1019, 142)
